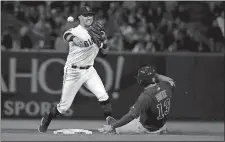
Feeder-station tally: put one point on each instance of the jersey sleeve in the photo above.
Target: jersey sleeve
(67, 33)
(171, 84)
(142, 103)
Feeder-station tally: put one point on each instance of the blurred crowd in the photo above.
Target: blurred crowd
(130, 26)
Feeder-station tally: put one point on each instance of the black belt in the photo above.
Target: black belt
(76, 67)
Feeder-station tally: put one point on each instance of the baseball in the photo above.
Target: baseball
(70, 19)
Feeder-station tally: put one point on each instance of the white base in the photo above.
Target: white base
(72, 131)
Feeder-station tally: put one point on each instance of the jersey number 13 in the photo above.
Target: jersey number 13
(163, 108)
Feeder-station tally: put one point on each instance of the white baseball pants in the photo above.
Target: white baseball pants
(135, 127)
(74, 79)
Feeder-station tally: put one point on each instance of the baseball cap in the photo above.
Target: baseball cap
(85, 10)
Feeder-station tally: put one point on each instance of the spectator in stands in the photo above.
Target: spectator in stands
(220, 21)
(178, 40)
(48, 18)
(156, 40)
(33, 15)
(150, 47)
(181, 13)
(8, 7)
(21, 13)
(215, 34)
(60, 44)
(158, 15)
(7, 40)
(42, 27)
(129, 5)
(25, 41)
(190, 43)
(172, 47)
(113, 24)
(115, 42)
(129, 35)
(139, 47)
(150, 16)
(40, 44)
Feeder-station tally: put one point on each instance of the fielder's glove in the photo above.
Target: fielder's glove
(97, 33)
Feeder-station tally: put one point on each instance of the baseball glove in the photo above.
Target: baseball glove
(97, 33)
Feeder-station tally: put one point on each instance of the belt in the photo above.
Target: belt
(77, 67)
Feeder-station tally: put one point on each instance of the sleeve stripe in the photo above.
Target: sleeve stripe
(67, 36)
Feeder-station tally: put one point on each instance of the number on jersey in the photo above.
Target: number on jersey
(166, 105)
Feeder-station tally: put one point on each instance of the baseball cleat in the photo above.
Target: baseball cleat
(44, 125)
(110, 120)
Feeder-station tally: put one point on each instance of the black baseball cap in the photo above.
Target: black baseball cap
(85, 10)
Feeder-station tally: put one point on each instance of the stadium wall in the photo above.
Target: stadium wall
(31, 84)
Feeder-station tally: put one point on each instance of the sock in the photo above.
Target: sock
(107, 108)
(53, 114)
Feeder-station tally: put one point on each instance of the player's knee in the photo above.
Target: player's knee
(103, 97)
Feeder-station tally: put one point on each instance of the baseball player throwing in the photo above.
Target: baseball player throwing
(85, 41)
(150, 111)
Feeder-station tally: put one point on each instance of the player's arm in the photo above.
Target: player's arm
(166, 79)
(69, 37)
(134, 112)
(123, 121)
(104, 49)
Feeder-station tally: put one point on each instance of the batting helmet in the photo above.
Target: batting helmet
(146, 75)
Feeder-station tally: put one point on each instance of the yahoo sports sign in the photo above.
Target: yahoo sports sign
(31, 83)
(37, 72)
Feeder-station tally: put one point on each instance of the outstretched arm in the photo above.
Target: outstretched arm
(124, 120)
(69, 37)
(140, 105)
(163, 78)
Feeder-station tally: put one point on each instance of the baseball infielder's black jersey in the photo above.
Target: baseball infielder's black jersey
(153, 105)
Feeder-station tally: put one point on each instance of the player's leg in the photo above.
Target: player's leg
(134, 127)
(162, 130)
(71, 84)
(95, 85)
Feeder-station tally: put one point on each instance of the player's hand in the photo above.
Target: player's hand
(107, 129)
